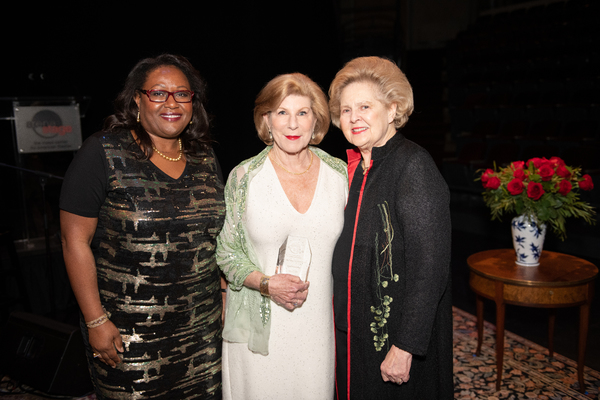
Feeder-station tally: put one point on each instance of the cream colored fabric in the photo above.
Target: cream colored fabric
(247, 318)
(301, 359)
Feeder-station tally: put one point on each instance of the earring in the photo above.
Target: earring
(191, 121)
(270, 134)
(138, 116)
(313, 136)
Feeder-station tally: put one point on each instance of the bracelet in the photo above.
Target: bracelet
(97, 322)
(264, 286)
(223, 290)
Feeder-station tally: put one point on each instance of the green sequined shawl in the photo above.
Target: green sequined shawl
(247, 317)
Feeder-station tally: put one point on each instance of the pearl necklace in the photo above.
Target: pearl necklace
(167, 157)
(295, 173)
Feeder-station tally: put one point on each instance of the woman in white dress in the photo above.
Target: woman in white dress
(278, 334)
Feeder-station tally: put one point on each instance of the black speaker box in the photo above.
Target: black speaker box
(45, 354)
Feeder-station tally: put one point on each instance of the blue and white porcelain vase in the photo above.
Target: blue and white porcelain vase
(528, 240)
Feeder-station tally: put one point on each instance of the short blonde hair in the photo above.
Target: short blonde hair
(392, 85)
(282, 86)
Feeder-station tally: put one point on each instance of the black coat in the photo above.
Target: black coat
(399, 271)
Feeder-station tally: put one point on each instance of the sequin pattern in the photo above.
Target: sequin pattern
(158, 277)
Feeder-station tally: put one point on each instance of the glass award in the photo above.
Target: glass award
(294, 257)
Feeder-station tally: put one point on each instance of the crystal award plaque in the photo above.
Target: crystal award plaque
(294, 257)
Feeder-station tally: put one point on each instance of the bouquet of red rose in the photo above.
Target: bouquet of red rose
(547, 191)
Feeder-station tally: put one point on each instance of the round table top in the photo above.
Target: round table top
(555, 269)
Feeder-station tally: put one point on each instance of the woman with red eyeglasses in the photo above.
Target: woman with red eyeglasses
(141, 206)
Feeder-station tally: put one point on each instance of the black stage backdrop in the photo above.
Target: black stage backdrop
(87, 50)
(237, 47)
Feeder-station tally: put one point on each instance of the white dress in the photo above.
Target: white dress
(301, 360)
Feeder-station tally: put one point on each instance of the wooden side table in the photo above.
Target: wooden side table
(559, 281)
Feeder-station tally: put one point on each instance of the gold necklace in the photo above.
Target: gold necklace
(167, 157)
(295, 173)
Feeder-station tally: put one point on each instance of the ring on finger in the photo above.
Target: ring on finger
(400, 382)
(95, 355)
(296, 304)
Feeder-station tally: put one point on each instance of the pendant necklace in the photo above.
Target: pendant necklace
(365, 169)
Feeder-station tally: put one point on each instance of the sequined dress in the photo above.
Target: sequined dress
(158, 279)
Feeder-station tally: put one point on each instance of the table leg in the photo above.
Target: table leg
(551, 324)
(584, 321)
(500, 309)
(479, 304)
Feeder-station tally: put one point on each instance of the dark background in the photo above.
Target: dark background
(237, 48)
(87, 55)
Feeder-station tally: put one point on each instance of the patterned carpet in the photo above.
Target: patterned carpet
(528, 371)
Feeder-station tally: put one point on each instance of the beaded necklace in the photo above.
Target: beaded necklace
(173, 159)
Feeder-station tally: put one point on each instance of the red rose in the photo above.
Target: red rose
(486, 176)
(492, 183)
(546, 170)
(556, 161)
(586, 183)
(515, 186)
(518, 165)
(519, 174)
(536, 162)
(564, 187)
(563, 172)
(535, 190)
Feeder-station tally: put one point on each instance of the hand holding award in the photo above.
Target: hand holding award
(289, 286)
(294, 257)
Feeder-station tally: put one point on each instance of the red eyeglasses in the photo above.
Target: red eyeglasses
(160, 96)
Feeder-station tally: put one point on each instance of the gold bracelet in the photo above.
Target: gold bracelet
(97, 322)
(264, 286)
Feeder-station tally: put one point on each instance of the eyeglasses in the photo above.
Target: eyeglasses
(161, 96)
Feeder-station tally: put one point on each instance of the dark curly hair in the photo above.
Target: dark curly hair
(195, 138)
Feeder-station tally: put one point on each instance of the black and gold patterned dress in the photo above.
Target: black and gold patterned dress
(158, 279)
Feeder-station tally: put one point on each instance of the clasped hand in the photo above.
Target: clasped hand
(288, 291)
(396, 366)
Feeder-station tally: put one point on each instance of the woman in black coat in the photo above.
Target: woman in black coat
(392, 296)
